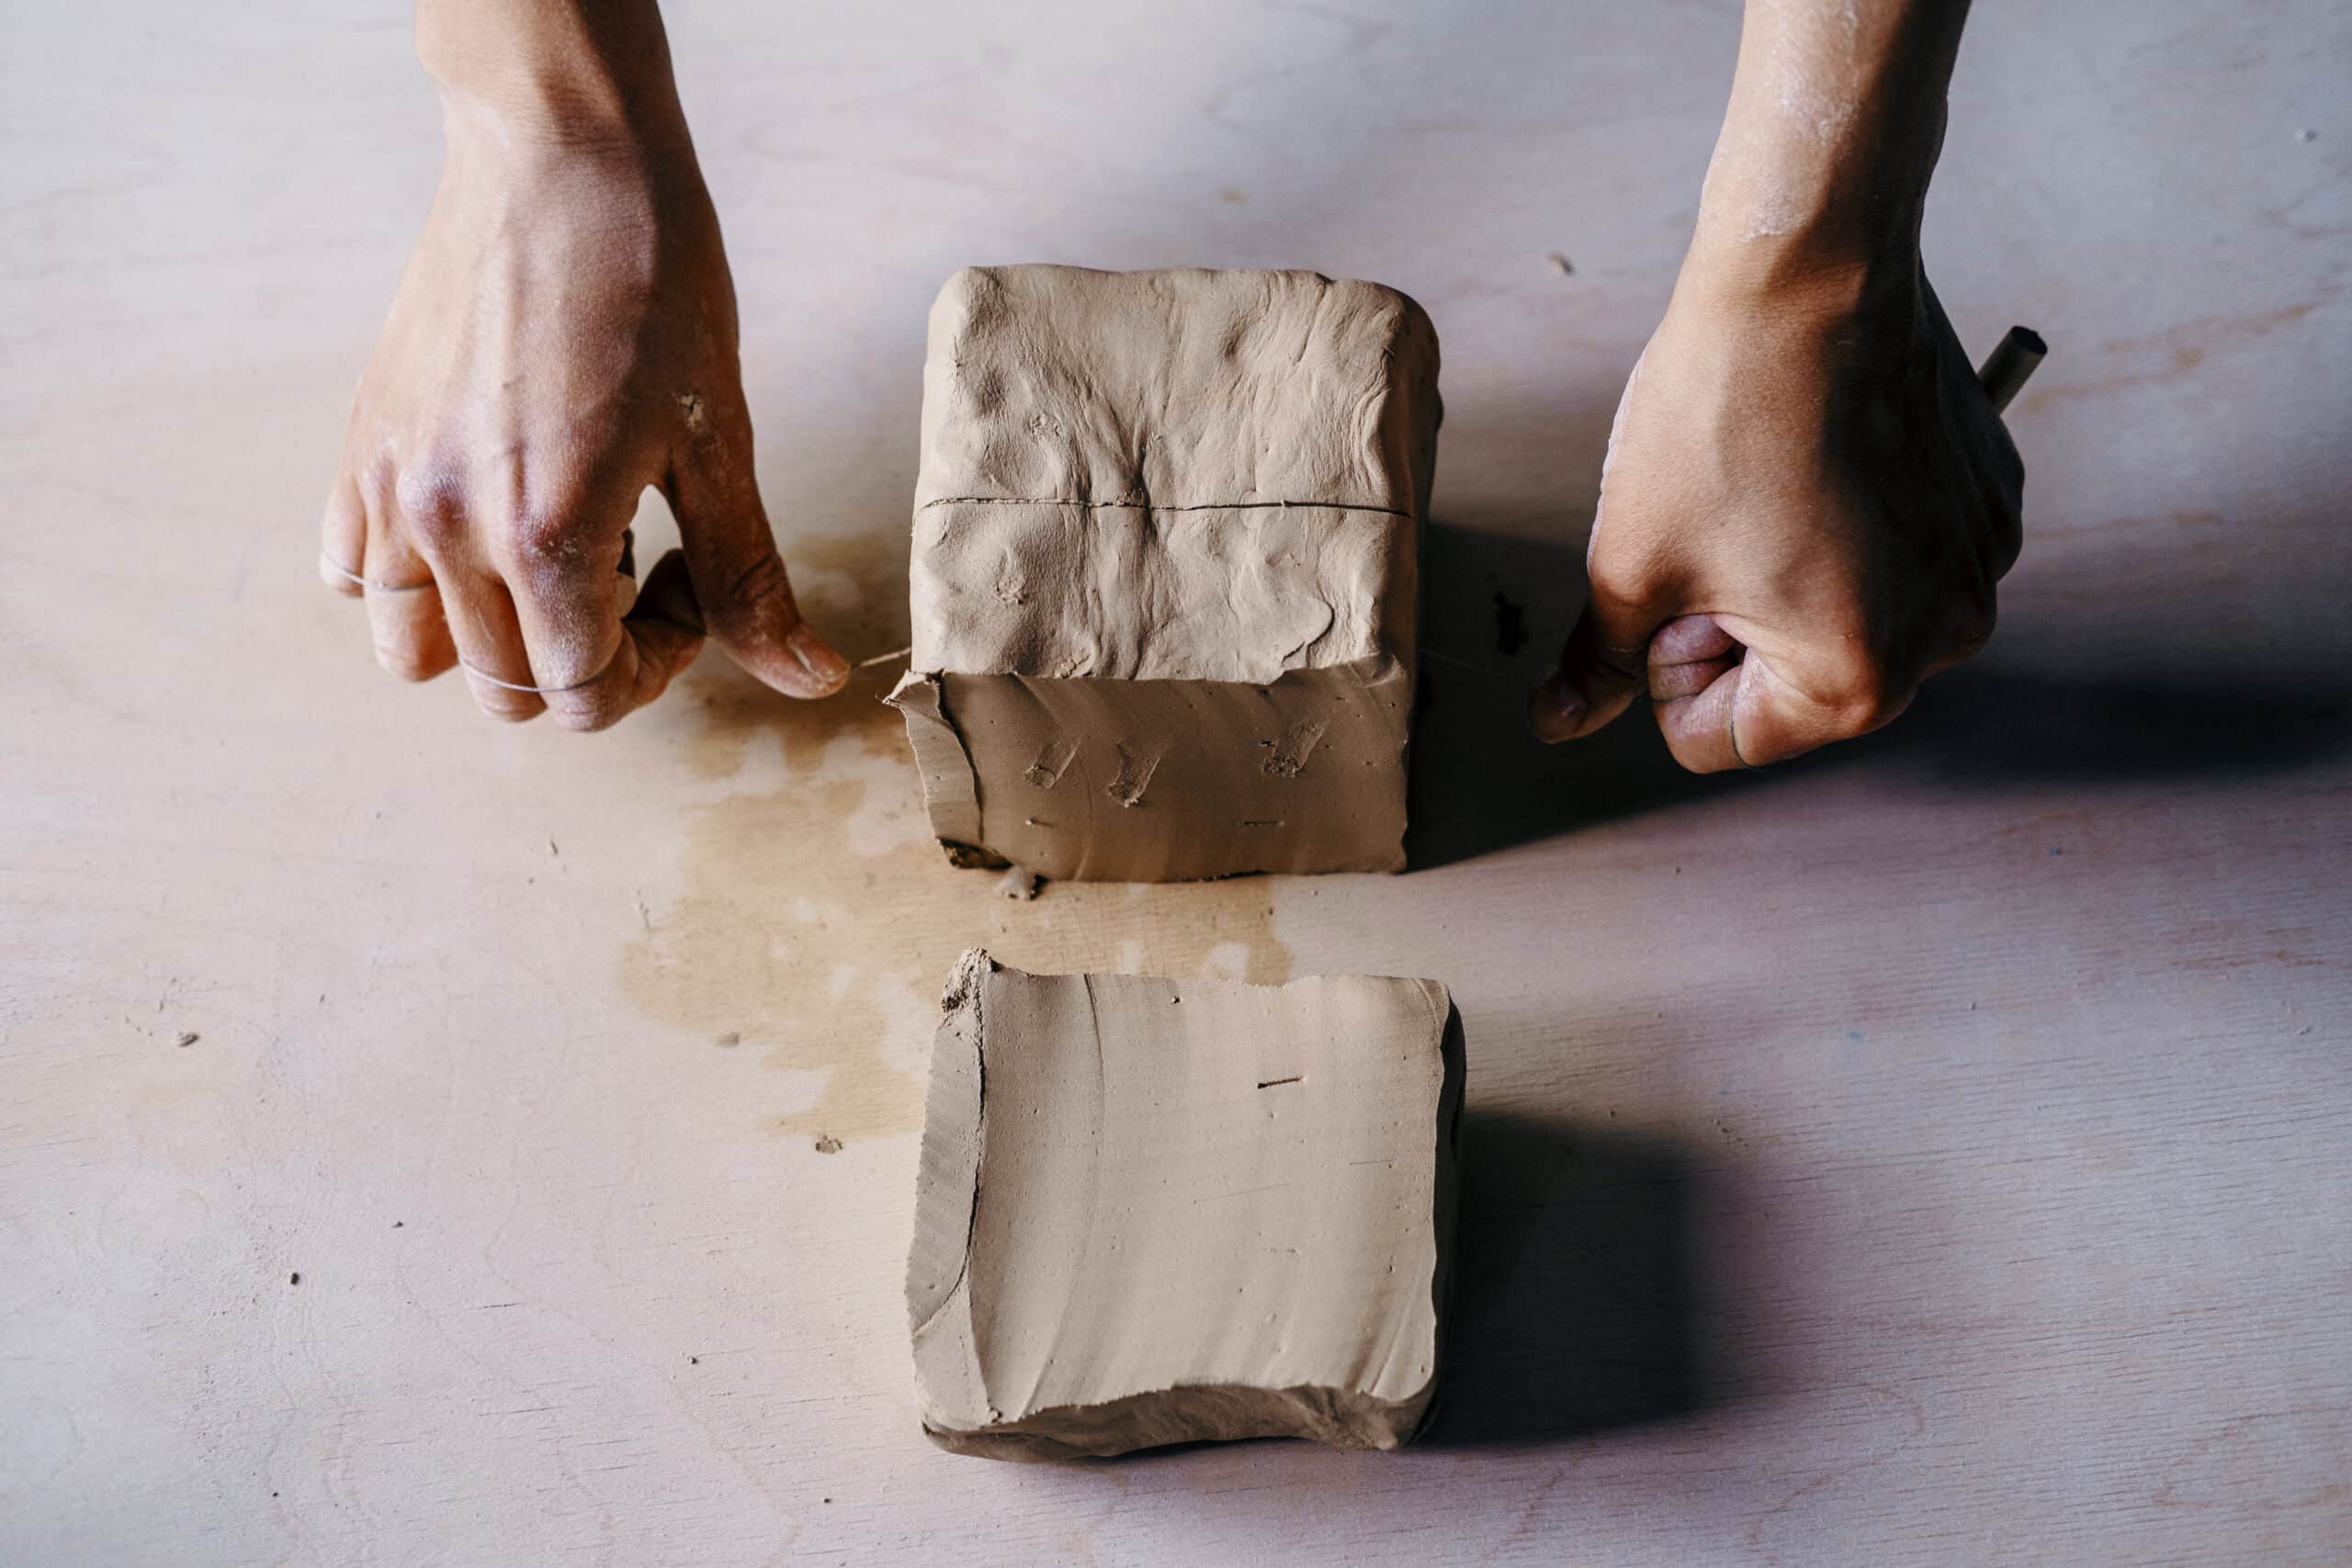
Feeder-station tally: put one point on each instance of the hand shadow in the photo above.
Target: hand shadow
(1576, 1296)
(1495, 610)
(1980, 726)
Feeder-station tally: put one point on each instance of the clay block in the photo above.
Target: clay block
(1167, 1210)
(1165, 559)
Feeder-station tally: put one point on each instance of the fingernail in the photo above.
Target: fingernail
(1556, 709)
(825, 666)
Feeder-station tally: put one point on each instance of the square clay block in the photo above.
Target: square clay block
(1168, 1211)
(1164, 578)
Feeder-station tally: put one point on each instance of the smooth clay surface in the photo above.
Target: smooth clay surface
(1164, 571)
(1159, 1211)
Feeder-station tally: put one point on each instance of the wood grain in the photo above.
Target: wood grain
(1934, 1152)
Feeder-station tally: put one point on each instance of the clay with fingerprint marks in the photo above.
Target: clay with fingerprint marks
(1166, 547)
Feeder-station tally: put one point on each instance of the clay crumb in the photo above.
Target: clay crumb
(694, 1361)
(398, 1225)
(1135, 774)
(828, 1144)
(294, 1278)
(188, 1037)
(1018, 883)
(2307, 134)
(1052, 762)
(733, 1037)
(1290, 753)
(1011, 590)
(1559, 264)
(697, 414)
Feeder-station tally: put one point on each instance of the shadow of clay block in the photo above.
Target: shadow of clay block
(1163, 1211)
(1164, 571)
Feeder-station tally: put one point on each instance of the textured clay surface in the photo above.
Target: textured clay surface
(1164, 572)
(1158, 1212)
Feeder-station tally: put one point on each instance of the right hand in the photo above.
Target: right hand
(1803, 514)
(564, 337)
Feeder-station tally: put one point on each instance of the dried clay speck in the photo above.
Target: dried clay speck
(828, 1144)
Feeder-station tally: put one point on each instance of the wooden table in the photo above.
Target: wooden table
(1936, 1151)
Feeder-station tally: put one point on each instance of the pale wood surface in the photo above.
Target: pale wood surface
(1936, 1152)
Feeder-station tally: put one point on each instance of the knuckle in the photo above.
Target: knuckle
(377, 477)
(435, 513)
(545, 540)
(1864, 696)
(1976, 626)
(593, 713)
(763, 583)
(507, 707)
(406, 661)
(540, 534)
(1617, 580)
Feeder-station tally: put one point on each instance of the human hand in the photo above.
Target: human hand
(1805, 509)
(564, 337)
(1808, 498)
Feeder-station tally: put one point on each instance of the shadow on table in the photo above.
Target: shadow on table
(1497, 605)
(1495, 608)
(1987, 726)
(1576, 1296)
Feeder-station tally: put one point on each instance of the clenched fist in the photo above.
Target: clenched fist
(1805, 511)
(1808, 499)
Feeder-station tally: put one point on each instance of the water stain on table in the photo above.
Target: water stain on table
(816, 918)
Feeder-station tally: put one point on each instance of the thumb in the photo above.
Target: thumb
(742, 589)
(1763, 709)
(1603, 664)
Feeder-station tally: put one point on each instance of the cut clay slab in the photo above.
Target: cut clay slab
(1166, 549)
(1163, 1211)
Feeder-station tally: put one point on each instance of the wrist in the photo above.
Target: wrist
(1815, 299)
(1784, 244)
(1836, 116)
(541, 73)
(1793, 192)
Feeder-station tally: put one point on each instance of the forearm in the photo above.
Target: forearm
(571, 71)
(1835, 118)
